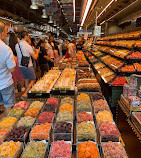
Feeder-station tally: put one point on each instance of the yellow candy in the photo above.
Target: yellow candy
(8, 122)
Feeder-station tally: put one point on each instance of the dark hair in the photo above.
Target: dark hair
(23, 34)
(32, 41)
(73, 41)
(12, 42)
(40, 42)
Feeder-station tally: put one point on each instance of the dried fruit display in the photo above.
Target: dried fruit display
(100, 105)
(22, 104)
(41, 132)
(36, 104)
(46, 83)
(64, 116)
(8, 122)
(113, 149)
(18, 134)
(109, 131)
(52, 101)
(83, 96)
(119, 80)
(86, 131)
(97, 96)
(26, 121)
(88, 149)
(45, 117)
(15, 112)
(99, 65)
(128, 68)
(137, 66)
(34, 149)
(60, 149)
(83, 105)
(134, 55)
(33, 112)
(10, 149)
(63, 131)
(84, 116)
(88, 87)
(68, 100)
(3, 134)
(103, 116)
(66, 107)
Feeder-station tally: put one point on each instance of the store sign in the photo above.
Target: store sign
(97, 31)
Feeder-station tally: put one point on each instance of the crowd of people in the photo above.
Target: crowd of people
(22, 58)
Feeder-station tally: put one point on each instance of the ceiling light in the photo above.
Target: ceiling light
(54, 24)
(102, 22)
(105, 8)
(73, 10)
(86, 11)
(50, 20)
(44, 14)
(33, 5)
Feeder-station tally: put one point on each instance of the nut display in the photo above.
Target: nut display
(26, 121)
(22, 104)
(62, 131)
(41, 131)
(86, 131)
(9, 149)
(18, 134)
(83, 96)
(108, 131)
(60, 149)
(45, 117)
(34, 149)
(83, 105)
(15, 112)
(88, 149)
(66, 107)
(68, 100)
(36, 104)
(113, 149)
(103, 116)
(84, 116)
(33, 112)
(100, 105)
(64, 116)
(8, 122)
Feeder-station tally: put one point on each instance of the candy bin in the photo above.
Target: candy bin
(3, 134)
(33, 112)
(86, 131)
(26, 121)
(16, 112)
(63, 131)
(8, 122)
(40, 132)
(22, 104)
(87, 149)
(10, 149)
(64, 116)
(61, 149)
(35, 149)
(84, 116)
(45, 117)
(37, 104)
(125, 90)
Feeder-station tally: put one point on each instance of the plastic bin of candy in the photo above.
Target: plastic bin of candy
(63, 131)
(86, 131)
(136, 119)
(8, 122)
(4, 132)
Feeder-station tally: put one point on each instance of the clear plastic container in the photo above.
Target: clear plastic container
(86, 136)
(3, 137)
(83, 121)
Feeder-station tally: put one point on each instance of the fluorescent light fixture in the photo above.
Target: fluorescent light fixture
(86, 11)
(33, 5)
(73, 10)
(102, 22)
(105, 8)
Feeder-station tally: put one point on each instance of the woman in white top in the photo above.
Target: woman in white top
(71, 49)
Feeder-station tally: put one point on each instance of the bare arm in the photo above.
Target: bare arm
(35, 55)
(47, 58)
(13, 69)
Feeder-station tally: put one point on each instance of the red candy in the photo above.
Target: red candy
(22, 104)
(120, 80)
(134, 55)
(52, 101)
(45, 117)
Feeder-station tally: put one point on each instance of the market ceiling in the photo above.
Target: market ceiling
(62, 12)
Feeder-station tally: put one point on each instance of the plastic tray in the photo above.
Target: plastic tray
(13, 125)
(3, 137)
(86, 134)
(82, 121)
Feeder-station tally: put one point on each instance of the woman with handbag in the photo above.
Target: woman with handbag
(24, 53)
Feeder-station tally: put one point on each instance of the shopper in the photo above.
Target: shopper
(7, 65)
(56, 54)
(79, 46)
(43, 58)
(50, 49)
(17, 75)
(71, 49)
(23, 49)
(64, 47)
